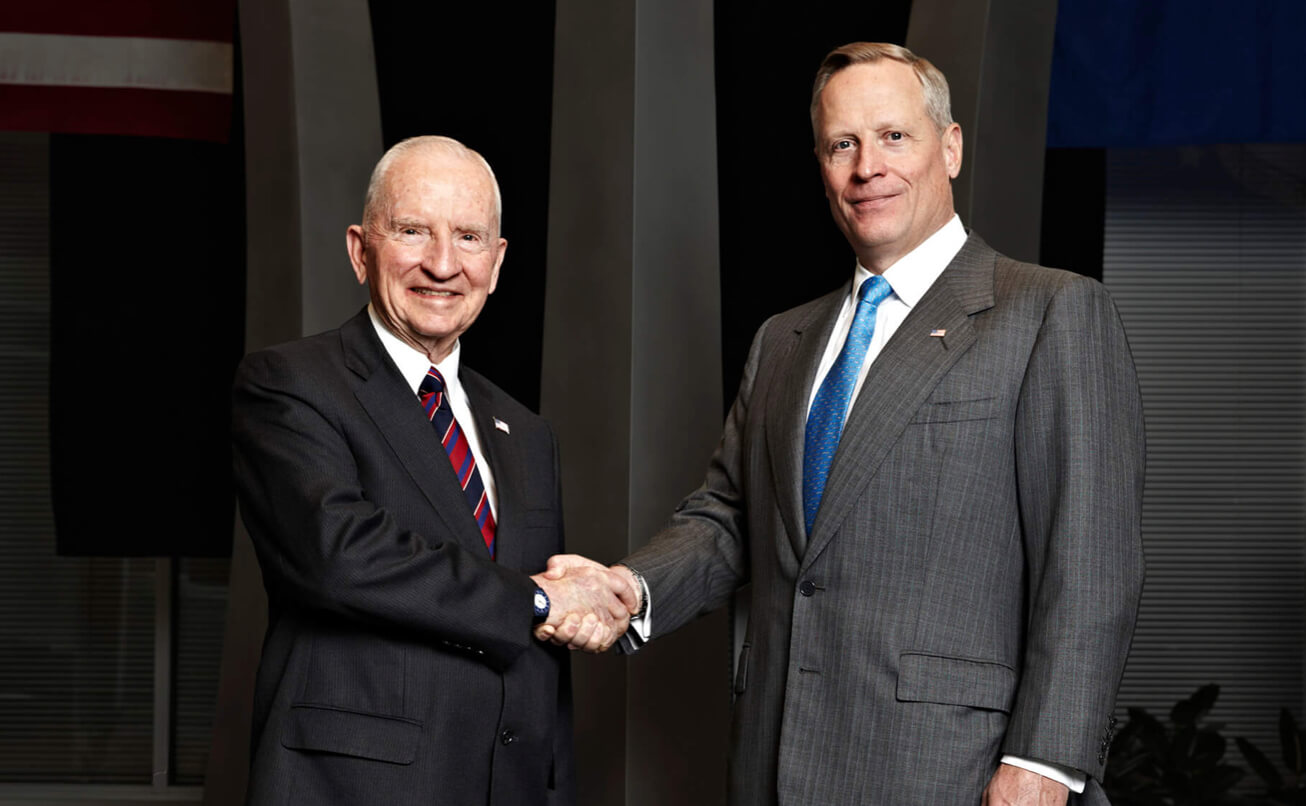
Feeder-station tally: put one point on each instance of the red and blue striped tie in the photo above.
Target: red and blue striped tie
(436, 404)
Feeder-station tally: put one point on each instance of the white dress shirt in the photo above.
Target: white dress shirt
(909, 278)
(413, 366)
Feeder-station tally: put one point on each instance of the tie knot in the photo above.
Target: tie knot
(875, 290)
(432, 383)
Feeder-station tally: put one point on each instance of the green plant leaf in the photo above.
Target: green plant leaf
(1152, 734)
(1208, 748)
(1178, 785)
(1205, 698)
(1141, 717)
(1213, 781)
(1192, 710)
(1290, 740)
(1184, 713)
(1183, 745)
(1260, 764)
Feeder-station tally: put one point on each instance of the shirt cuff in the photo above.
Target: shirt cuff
(1069, 776)
(641, 627)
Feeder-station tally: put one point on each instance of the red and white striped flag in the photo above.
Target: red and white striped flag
(159, 68)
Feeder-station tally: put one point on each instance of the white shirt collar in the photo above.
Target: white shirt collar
(413, 364)
(917, 270)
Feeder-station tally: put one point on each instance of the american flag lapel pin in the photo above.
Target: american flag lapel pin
(502, 426)
(938, 332)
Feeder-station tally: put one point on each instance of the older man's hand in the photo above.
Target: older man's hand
(590, 604)
(1014, 786)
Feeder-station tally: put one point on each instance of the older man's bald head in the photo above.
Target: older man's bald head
(376, 198)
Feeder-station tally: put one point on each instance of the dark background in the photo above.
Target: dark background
(438, 72)
(148, 254)
(779, 245)
(147, 285)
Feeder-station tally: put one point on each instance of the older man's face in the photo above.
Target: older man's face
(432, 253)
(885, 165)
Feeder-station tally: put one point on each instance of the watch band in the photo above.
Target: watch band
(542, 605)
(643, 591)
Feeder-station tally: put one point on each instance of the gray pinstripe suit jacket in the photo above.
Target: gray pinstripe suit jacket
(970, 585)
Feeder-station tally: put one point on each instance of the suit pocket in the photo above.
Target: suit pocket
(347, 733)
(538, 536)
(741, 674)
(356, 672)
(955, 681)
(956, 411)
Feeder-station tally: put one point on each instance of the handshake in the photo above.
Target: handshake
(590, 604)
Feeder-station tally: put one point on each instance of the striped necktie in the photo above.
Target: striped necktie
(830, 407)
(436, 404)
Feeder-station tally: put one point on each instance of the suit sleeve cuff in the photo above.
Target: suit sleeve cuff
(1069, 776)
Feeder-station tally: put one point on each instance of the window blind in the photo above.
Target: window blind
(1205, 255)
(201, 625)
(76, 635)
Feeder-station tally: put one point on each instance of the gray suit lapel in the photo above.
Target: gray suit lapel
(786, 416)
(902, 377)
(384, 395)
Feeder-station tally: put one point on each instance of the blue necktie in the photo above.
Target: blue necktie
(830, 408)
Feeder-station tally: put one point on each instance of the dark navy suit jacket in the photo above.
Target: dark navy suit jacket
(399, 665)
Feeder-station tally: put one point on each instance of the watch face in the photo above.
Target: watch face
(541, 602)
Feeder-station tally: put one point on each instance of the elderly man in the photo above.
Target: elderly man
(398, 502)
(932, 478)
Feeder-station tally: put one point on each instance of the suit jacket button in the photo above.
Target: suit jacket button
(807, 588)
(507, 737)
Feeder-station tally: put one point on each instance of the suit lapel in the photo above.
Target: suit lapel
(508, 464)
(386, 398)
(902, 377)
(786, 419)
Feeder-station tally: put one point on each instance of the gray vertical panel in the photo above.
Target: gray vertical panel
(312, 135)
(679, 706)
(997, 56)
(631, 374)
(227, 773)
(338, 134)
(587, 327)
(273, 312)
(585, 381)
(1205, 255)
(676, 310)
(953, 34)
